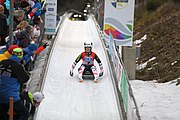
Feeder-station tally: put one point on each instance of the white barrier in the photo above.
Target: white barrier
(123, 84)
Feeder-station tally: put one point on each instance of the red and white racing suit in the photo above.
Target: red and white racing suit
(88, 62)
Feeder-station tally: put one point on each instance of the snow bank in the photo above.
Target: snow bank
(157, 101)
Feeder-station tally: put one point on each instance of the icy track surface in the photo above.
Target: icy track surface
(65, 97)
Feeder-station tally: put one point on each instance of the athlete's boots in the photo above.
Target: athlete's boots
(94, 70)
(80, 71)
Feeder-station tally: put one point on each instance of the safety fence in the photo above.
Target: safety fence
(123, 83)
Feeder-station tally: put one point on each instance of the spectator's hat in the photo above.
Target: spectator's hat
(10, 49)
(24, 4)
(36, 32)
(38, 96)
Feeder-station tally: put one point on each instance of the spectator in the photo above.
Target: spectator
(21, 26)
(36, 21)
(8, 53)
(25, 6)
(25, 36)
(39, 11)
(18, 17)
(7, 8)
(12, 75)
(3, 26)
(31, 101)
(36, 34)
(33, 49)
(28, 54)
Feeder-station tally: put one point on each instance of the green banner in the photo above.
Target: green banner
(124, 89)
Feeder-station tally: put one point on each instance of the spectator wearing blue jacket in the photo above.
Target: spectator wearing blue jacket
(12, 74)
(39, 11)
(28, 53)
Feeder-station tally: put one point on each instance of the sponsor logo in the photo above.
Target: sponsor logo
(50, 25)
(50, 14)
(50, 30)
(51, 4)
(50, 9)
(50, 20)
(119, 4)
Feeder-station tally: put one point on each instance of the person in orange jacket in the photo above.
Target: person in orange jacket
(41, 48)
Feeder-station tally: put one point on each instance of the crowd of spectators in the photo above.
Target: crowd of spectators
(15, 59)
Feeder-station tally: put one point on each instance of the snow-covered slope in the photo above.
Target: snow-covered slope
(65, 97)
(157, 101)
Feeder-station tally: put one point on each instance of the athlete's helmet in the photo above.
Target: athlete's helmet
(18, 52)
(38, 96)
(88, 44)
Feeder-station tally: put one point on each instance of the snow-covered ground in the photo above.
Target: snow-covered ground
(157, 101)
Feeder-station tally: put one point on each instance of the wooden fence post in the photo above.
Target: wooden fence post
(11, 101)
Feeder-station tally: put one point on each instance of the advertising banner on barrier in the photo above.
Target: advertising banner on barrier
(124, 89)
(122, 80)
(50, 17)
(118, 19)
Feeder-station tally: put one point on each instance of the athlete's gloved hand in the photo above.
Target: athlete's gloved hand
(101, 70)
(101, 74)
(72, 68)
(71, 73)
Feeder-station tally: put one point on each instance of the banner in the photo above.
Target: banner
(118, 19)
(124, 89)
(50, 17)
(122, 81)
